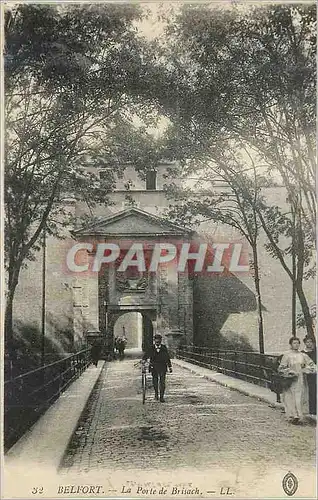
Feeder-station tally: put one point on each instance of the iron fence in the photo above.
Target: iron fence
(27, 396)
(260, 369)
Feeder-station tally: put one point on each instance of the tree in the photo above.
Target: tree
(234, 205)
(72, 73)
(247, 76)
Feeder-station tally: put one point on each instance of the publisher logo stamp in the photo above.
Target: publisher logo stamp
(290, 484)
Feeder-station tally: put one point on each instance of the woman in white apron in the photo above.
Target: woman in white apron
(293, 367)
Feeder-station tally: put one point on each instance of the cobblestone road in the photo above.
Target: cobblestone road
(202, 424)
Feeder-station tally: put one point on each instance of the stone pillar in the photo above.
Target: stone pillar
(139, 327)
(103, 302)
(77, 315)
(173, 339)
(93, 303)
(185, 293)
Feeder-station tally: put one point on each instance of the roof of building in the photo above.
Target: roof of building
(132, 222)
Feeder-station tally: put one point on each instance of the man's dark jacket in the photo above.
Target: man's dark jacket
(159, 361)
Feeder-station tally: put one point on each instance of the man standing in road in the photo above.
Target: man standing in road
(159, 363)
(95, 352)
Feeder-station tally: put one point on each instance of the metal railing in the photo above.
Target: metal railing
(260, 369)
(27, 396)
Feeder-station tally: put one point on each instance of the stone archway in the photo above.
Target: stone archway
(148, 326)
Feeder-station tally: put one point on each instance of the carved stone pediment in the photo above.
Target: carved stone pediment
(134, 223)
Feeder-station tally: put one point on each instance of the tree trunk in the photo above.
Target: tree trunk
(8, 323)
(14, 271)
(299, 280)
(300, 241)
(305, 309)
(8, 320)
(259, 301)
(294, 325)
(294, 272)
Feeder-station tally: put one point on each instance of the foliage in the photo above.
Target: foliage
(236, 83)
(249, 75)
(73, 73)
(301, 323)
(245, 80)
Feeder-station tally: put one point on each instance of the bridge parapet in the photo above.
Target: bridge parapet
(29, 395)
(260, 369)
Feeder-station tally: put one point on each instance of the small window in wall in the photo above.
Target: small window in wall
(151, 180)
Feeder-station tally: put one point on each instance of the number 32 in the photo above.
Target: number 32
(37, 489)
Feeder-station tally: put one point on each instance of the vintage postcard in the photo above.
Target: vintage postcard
(159, 257)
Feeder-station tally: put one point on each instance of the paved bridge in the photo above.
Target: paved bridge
(203, 426)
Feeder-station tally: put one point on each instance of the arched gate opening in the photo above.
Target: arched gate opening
(137, 326)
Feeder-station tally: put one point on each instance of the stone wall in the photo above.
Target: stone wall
(224, 308)
(61, 317)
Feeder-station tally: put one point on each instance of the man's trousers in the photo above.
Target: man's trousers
(159, 379)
